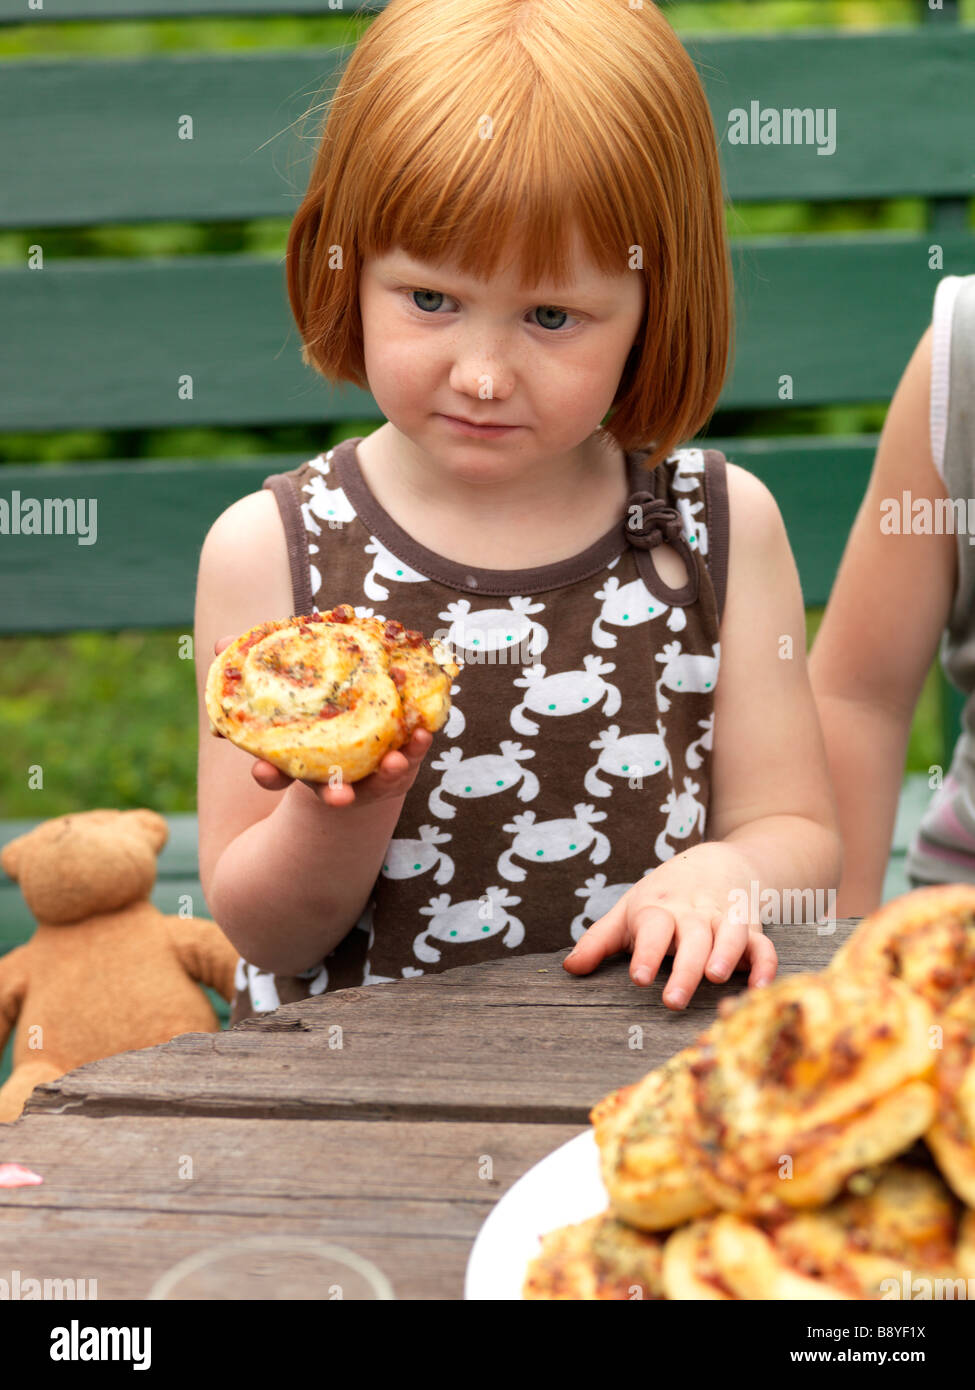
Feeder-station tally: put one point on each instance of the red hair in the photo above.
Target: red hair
(460, 127)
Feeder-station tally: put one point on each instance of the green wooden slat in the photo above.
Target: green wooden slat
(105, 344)
(141, 571)
(97, 140)
(152, 518)
(177, 859)
(58, 11)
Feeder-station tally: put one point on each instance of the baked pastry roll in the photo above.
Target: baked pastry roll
(799, 1084)
(596, 1259)
(925, 938)
(642, 1158)
(689, 1269)
(965, 1253)
(951, 1137)
(328, 692)
(903, 1221)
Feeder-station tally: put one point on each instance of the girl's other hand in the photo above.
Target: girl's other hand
(682, 908)
(392, 778)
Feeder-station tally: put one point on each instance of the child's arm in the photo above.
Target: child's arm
(772, 818)
(286, 873)
(889, 604)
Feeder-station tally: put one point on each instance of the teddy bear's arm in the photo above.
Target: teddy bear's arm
(204, 953)
(14, 975)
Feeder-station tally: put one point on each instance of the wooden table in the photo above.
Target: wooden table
(377, 1145)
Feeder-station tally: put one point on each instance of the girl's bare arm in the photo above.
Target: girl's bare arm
(879, 636)
(286, 869)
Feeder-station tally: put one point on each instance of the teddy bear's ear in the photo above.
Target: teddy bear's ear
(10, 856)
(152, 825)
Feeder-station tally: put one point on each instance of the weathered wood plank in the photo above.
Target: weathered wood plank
(514, 1041)
(114, 1207)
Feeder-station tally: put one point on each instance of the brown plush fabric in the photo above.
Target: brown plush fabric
(105, 971)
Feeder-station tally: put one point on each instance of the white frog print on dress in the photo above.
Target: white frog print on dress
(488, 631)
(686, 672)
(600, 897)
(634, 755)
(629, 605)
(328, 504)
(386, 566)
(688, 476)
(484, 775)
(553, 840)
(565, 692)
(684, 814)
(694, 758)
(466, 921)
(411, 858)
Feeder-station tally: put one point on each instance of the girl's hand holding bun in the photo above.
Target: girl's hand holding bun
(331, 700)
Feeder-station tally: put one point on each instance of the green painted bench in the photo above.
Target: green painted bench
(106, 343)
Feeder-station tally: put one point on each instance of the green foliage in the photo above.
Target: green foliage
(109, 717)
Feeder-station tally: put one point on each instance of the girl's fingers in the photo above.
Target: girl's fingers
(652, 928)
(694, 939)
(268, 776)
(606, 936)
(763, 957)
(220, 644)
(730, 944)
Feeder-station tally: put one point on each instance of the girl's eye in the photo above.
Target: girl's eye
(437, 297)
(548, 309)
(426, 294)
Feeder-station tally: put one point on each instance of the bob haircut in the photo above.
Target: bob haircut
(460, 127)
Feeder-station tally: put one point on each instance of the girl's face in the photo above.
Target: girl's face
(546, 363)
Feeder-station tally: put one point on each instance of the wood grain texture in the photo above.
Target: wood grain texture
(409, 1197)
(514, 1041)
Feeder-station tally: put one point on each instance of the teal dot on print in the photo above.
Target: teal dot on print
(398, 573)
(539, 852)
(657, 763)
(499, 782)
(551, 706)
(467, 789)
(707, 685)
(572, 847)
(626, 767)
(693, 540)
(416, 866)
(585, 699)
(476, 642)
(626, 617)
(507, 639)
(453, 933)
(679, 684)
(485, 929)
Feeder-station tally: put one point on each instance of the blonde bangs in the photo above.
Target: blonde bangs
(471, 132)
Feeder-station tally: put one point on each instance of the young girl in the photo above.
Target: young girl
(902, 584)
(514, 229)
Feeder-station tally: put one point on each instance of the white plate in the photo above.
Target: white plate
(561, 1189)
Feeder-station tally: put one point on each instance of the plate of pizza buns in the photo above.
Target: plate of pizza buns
(817, 1141)
(326, 695)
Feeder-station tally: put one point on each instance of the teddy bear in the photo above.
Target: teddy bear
(105, 971)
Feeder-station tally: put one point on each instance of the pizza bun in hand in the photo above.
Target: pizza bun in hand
(328, 692)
